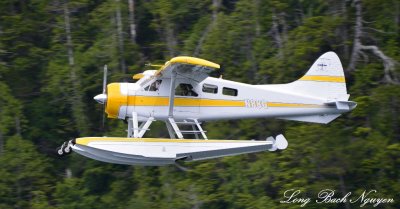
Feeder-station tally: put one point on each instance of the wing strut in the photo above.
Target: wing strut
(136, 131)
(172, 95)
(171, 120)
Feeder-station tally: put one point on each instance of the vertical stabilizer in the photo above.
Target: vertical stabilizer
(325, 79)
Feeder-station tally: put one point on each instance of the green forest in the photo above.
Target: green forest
(52, 54)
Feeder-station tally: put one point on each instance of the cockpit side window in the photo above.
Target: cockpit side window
(154, 86)
(209, 88)
(229, 91)
(185, 89)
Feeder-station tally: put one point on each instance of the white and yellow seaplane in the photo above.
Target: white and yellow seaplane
(182, 94)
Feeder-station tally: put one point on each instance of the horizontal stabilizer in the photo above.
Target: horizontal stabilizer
(313, 118)
(342, 105)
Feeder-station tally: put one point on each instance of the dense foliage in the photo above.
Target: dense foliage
(51, 58)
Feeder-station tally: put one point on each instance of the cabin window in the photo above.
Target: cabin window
(154, 86)
(209, 88)
(229, 91)
(185, 89)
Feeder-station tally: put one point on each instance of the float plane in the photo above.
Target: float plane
(183, 95)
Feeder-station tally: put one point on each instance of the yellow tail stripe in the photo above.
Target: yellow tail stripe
(323, 78)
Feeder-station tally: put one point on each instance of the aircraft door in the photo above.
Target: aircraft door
(187, 98)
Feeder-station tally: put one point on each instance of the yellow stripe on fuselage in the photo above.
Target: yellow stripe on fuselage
(323, 78)
(164, 101)
(221, 103)
(294, 105)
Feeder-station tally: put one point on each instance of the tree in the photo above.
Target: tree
(25, 175)
(358, 48)
(10, 110)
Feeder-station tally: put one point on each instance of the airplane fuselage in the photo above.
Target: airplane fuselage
(211, 99)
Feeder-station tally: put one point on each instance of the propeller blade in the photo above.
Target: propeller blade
(105, 79)
(103, 118)
(102, 98)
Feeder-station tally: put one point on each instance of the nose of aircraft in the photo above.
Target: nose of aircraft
(101, 98)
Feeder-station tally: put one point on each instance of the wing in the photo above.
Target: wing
(184, 67)
(187, 67)
(179, 67)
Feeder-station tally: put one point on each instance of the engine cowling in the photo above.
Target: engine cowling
(116, 99)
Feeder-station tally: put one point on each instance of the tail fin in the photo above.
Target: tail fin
(325, 79)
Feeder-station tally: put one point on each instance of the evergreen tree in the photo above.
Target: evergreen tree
(51, 57)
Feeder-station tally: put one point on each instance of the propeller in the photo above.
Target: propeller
(102, 98)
